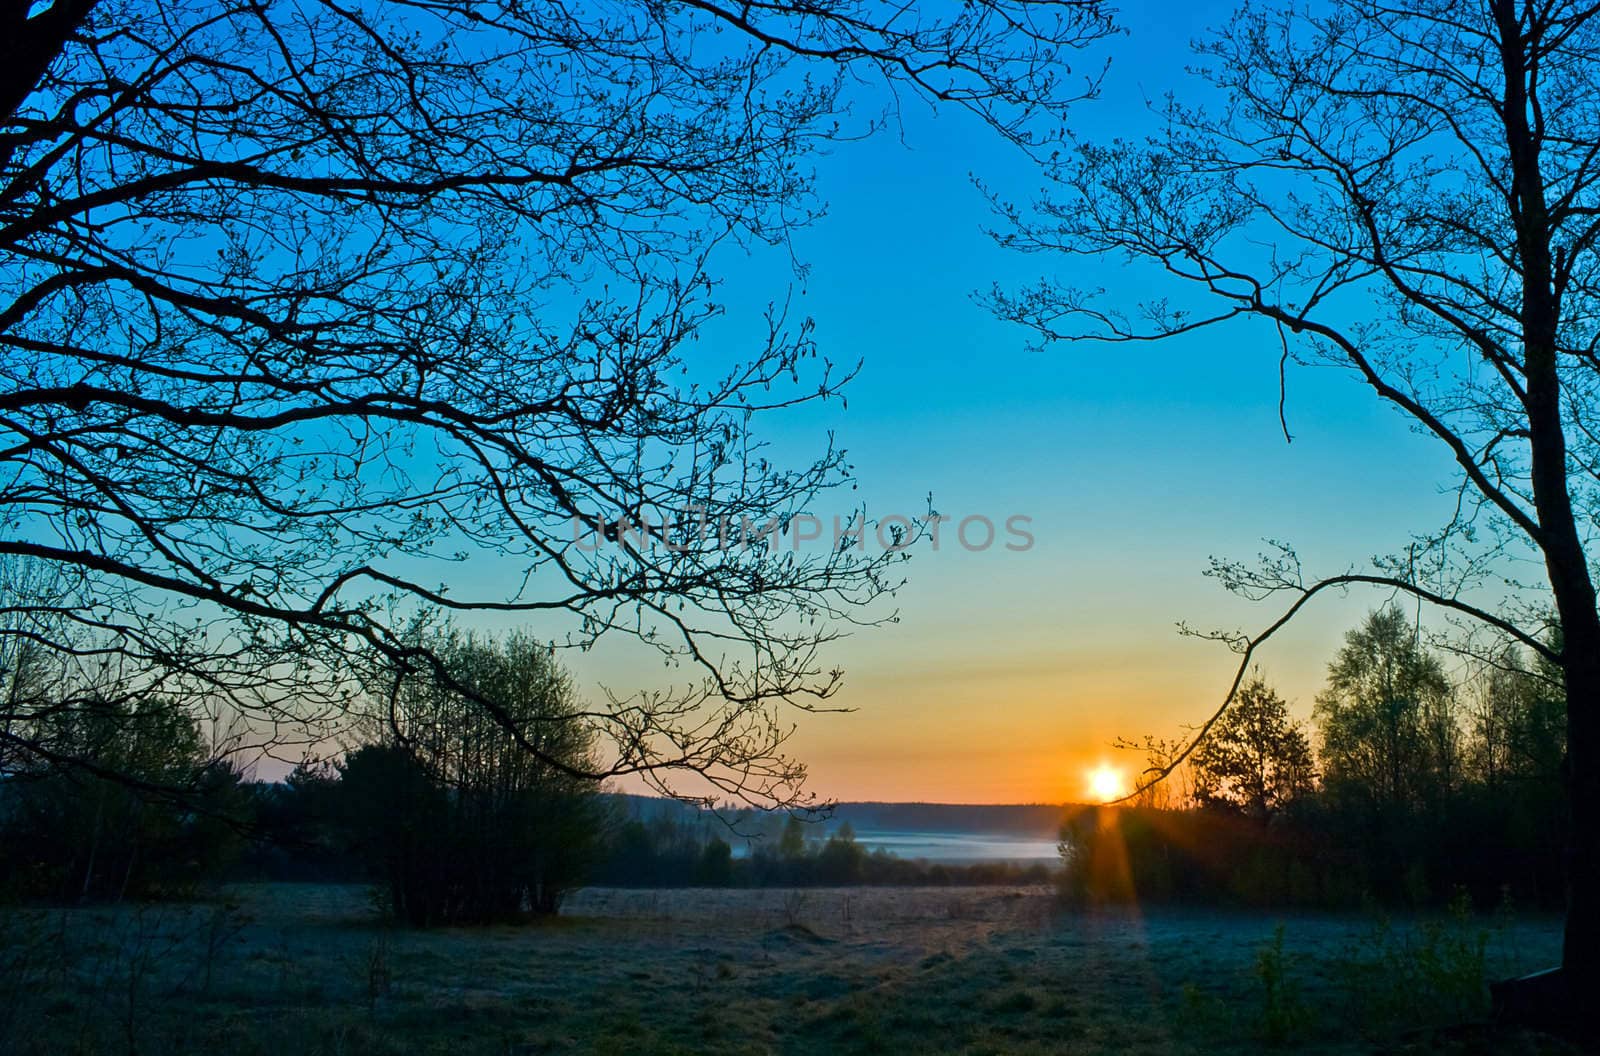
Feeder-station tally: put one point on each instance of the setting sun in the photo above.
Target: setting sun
(1106, 783)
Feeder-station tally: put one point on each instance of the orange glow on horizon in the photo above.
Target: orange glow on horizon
(1106, 782)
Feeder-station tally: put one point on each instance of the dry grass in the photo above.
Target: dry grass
(306, 969)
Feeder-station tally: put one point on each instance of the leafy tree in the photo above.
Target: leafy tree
(109, 785)
(296, 831)
(1511, 818)
(633, 858)
(303, 303)
(1518, 723)
(792, 843)
(1255, 758)
(70, 833)
(1407, 191)
(1388, 729)
(841, 860)
(496, 812)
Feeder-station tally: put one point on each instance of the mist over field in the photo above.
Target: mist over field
(959, 846)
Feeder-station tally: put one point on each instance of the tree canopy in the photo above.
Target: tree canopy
(1388, 727)
(306, 304)
(1256, 757)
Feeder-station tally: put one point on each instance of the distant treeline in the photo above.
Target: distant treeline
(1320, 856)
(1027, 820)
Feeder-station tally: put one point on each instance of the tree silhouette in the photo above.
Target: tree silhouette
(1407, 191)
(1388, 729)
(304, 305)
(71, 834)
(523, 820)
(1255, 758)
(1518, 729)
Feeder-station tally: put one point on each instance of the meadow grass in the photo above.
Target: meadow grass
(308, 969)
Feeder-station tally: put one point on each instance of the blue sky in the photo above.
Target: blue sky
(1010, 673)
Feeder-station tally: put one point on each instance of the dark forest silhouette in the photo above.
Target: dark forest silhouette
(1420, 790)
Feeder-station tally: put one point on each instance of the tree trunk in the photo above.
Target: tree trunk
(1577, 989)
(94, 847)
(29, 44)
(1569, 999)
(1580, 958)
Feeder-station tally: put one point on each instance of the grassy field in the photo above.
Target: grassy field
(306, 969)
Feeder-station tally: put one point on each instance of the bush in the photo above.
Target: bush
(1129, 854)
(1323, 854)
(1434, 973)
(1284, 1014)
